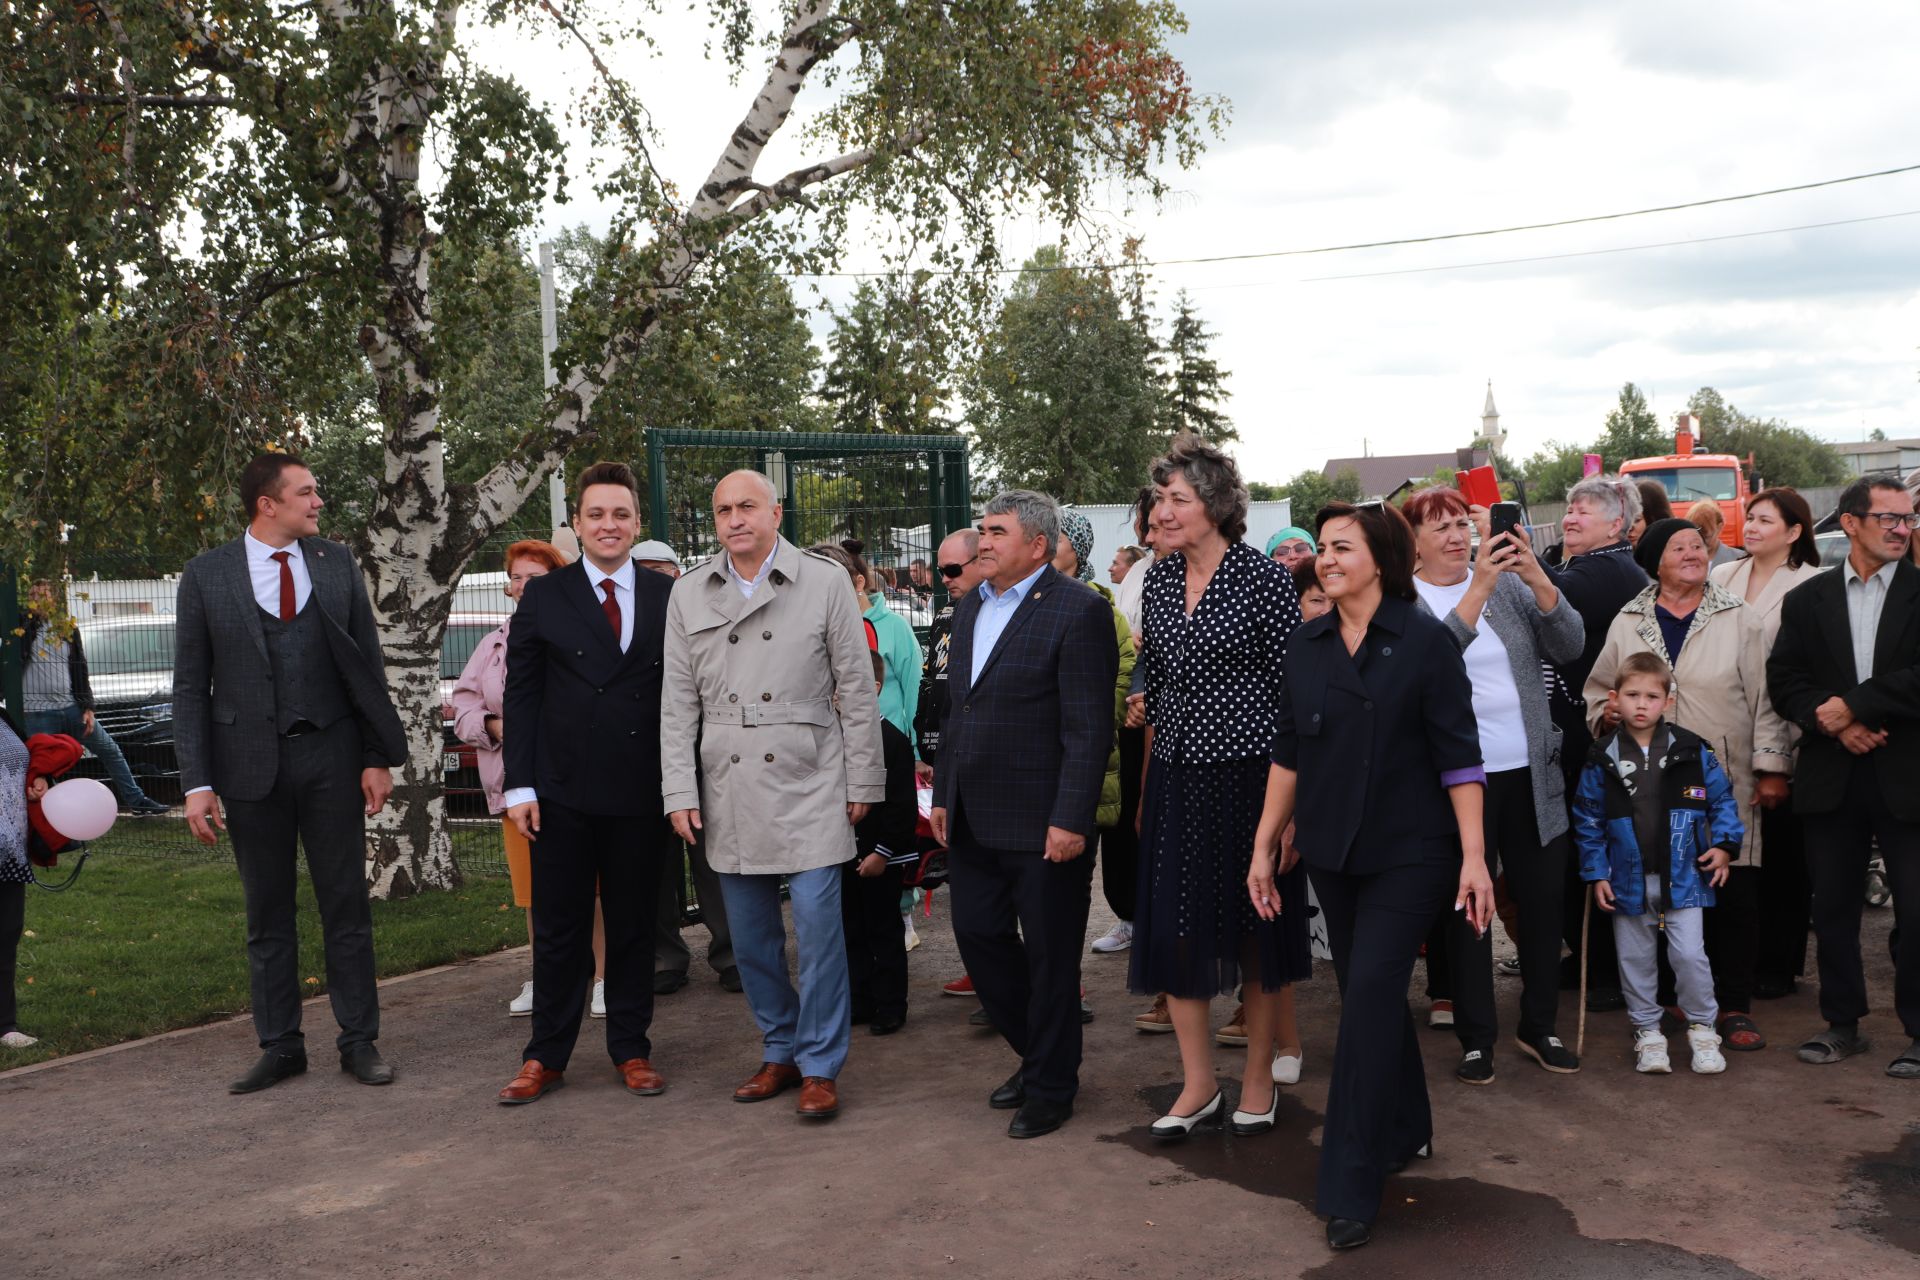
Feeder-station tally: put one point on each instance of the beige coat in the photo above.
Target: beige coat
(1734, 578)
(1720, 690)
(751, 685)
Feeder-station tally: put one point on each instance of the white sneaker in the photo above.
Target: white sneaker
(913, 934)
(1650, 1052)
(18, 1040)
(1707, 1060)
(521, 1005)
(1118, 938)
(1286, 1067)
(599, 1006)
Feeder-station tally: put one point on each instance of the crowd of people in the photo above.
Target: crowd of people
(1661, 762)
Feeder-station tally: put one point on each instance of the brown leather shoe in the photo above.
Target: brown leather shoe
(641, 1078)
(533, 1080)
(771, 1079)
(1234, 1034)
(1157, 1020)
(819, 1100)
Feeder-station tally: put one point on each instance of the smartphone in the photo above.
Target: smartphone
(1479, 486)
(1504, 518)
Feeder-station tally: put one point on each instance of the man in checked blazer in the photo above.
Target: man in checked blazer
(281, 711)
(1023, 751)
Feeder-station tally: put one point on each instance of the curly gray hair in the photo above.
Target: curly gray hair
(1215, 480)
(1612, 495)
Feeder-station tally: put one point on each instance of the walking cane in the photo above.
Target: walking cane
(1586, 922)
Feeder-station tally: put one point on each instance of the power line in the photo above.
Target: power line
(1367, 244)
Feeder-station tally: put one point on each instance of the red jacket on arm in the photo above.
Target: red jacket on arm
(48, 756)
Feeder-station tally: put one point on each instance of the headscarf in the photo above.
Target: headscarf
(1288, 534)
(1078, 530)
(1653, 543)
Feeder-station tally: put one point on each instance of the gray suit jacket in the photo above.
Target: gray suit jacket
(223, 698)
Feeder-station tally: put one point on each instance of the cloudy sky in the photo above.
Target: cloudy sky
(1382, 119)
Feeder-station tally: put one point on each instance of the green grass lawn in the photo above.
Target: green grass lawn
(146, 944)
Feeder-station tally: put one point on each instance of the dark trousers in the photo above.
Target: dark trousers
(71, 721)
(670, 951)
(13, 921)
(876, 942)
(315, 805)
(1733, 938)
(1839, 846)
(1786, 898)
(1534, 874)
(1120, 844)
(573, 852)
(1021, 923)
(1377, 1107)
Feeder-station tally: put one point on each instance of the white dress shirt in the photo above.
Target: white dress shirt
(747, 585)
(1865, 598)
(996, 610)
(264, 570)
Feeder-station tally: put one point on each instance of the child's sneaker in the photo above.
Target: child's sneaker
(1706, 1050)
(1650, 1052)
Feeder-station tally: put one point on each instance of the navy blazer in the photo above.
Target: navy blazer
(581, 718)
(1371, 737)
(1812, 660)
(1026, 747)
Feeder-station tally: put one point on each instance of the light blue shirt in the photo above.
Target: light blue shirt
(996, 610)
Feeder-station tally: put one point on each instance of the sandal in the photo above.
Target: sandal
(1907, 1065)
(1832, 1046)
(1738, 1031)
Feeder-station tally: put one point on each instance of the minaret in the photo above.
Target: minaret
(1490, 423)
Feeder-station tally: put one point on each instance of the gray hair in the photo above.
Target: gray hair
(1039, 515)
(1612, 495)
(1215, 480)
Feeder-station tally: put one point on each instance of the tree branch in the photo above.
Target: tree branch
(803, 45)
(177, 101)
(791, 189)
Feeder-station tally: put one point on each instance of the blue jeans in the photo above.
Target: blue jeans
(68, 720)
(811, 1028)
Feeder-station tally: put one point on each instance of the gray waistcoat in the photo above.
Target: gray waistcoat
(307, 684)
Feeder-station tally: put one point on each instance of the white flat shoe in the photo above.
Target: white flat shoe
(1248, 1123)
(521, 1006)
(1174, 1128)
(1286, 1067)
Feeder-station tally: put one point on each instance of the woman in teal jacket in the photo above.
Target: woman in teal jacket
(900, 692)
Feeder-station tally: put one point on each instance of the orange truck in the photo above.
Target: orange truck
(1688, 477)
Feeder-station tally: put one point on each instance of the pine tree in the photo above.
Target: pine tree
(1196, 384)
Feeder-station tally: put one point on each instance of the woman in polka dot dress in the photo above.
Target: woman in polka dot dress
(1215, 615)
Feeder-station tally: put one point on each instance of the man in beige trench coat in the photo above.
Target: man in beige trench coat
(768, 679)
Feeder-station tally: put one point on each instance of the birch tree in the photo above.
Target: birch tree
(335, 146)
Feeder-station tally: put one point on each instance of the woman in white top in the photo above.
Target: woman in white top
(1506, 615)
(1781, 554)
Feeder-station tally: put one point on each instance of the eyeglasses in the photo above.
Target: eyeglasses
(955, 570)
(1893, 519)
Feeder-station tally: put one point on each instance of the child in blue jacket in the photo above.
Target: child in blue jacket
(1656, 825)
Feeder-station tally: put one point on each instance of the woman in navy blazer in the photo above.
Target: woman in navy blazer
(1377, 763)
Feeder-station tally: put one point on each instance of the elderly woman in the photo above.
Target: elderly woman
(1376, 752)
(477, 697)
(1290, 548)
(1781, 555)
(1506, 615)
(1713, 643)
(1706, 516)
(1216, 615)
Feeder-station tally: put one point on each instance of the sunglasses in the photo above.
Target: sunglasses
(955, 570)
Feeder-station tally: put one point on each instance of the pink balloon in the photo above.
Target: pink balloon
(80, 808)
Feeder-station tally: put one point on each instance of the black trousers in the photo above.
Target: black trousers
(1732, 931)
(876, 942)
(13, 921)
(1120, 844)
(1021, 923)
(1534, 874)
(1839, 846)
(1786, 898)
(315, 805)
(1377, 1107)
(670, 951)
(573, 852)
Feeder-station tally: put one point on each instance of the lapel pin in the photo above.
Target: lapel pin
(1038, 594)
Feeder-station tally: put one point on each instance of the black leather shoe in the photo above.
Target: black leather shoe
(272, 1068)
(1036, 1117)
(364, 1063)
(668, 981)
(1010, 1095)
(730, 980)
(885, 1024)
(1345, 1233)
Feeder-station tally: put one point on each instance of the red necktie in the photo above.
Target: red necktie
(286, 586)
(612, 608)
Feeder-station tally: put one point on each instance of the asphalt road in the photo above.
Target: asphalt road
(137, 1162)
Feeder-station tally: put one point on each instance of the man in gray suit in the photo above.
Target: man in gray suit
(281, 711)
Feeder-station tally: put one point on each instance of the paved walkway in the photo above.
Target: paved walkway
(139, 1163)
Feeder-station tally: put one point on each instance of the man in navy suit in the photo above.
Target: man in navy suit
(583, 772)
(1023, 751)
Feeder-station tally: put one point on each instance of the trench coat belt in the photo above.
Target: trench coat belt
(816, 711)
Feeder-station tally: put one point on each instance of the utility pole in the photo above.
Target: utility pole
(549, 339)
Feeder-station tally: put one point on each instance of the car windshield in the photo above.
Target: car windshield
(125, 650)
(1690, 484)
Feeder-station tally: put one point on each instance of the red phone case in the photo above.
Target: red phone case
(1479, 486)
